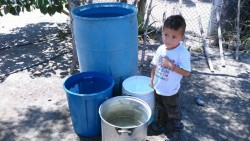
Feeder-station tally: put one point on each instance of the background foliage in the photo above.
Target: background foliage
(14, 7)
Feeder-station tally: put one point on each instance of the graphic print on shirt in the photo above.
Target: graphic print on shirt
(162, 72)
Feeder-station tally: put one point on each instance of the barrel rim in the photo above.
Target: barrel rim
(91, 94)
(131, 97)
(104, 4)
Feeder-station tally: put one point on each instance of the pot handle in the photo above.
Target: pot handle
(126, 94)
(120, 131)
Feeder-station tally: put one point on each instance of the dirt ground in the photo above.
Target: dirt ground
(35, 57)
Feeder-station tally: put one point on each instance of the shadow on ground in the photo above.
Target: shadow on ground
(37, 123)
(42, 49)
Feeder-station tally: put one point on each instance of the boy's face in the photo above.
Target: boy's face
(171, 38)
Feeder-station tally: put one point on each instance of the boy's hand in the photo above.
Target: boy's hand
(151, 84)
(167, 63)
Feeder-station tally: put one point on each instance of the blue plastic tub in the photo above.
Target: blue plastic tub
(106, 37)
(86, 91)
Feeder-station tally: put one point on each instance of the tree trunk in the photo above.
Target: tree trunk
(72, 5)
(238, 31)
(212, 24)
(142, 7)
(145, 27)
(219, 36)
(205, 46)
(125, 1)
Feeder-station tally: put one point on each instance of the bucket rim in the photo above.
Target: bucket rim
(104, 4)
(91, 94)
(131, 97)
(136, 93)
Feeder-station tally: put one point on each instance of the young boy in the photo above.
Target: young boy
(170, 63)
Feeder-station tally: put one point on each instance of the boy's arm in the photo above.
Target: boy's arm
(167, 63)
(151, 84)
(179, 70)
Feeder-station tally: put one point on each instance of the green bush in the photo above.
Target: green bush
(14, 7)
(246, 43)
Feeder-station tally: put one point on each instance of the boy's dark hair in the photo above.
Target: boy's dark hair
(175, 22)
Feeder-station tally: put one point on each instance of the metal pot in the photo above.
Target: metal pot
(124, 118)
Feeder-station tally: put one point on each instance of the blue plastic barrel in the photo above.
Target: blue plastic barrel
(86, 91)
(106, 37)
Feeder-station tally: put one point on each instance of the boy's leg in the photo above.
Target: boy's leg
(162, 114)
(160, 117)
(171, 104)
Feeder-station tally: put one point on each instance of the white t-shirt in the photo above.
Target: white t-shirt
(166, 82)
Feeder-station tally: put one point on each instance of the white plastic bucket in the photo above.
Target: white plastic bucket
(138, 86)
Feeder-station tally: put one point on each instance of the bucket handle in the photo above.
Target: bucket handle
(120, 131)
